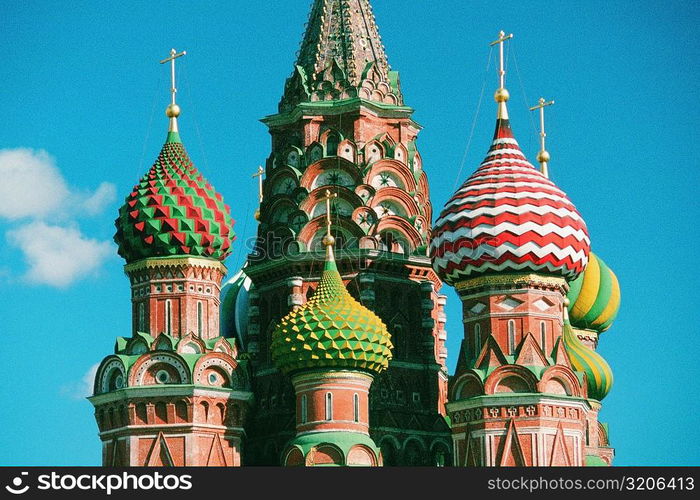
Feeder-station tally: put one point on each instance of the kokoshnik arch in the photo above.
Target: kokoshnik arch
(328, 346)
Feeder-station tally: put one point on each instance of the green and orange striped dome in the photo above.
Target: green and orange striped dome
(174, 211)
(594, 296)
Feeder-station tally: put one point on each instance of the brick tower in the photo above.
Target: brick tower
(342, 125)
(526, 390)
(174, 392)
(331, 347)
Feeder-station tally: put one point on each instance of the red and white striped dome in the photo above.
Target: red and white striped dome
(508, 217)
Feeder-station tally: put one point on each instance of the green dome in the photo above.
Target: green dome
(594, 296)
(332, 330)
(174, 211)
(599, 376)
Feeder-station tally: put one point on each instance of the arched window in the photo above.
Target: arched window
(168, 317)
(543, 335)
(477, 339)
(142, 318)
(329, 406)
(332, 145)
(303, 409)
(588, 436)
(356, 401)
(400, 342)
(511, 336)
(200, 318)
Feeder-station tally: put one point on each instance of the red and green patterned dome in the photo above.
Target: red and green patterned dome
(174, 211)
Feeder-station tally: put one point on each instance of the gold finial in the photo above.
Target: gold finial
(502, 95)
(543, 155)
(173, 110)
(259, 173)
(328, 239)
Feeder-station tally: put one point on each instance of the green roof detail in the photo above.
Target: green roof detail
(344, 441)
(595, 461)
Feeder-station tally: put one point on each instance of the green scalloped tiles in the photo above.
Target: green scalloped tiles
(331, 330)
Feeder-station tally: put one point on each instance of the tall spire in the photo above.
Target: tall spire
(341, 57)
(502, 95)
(173, 110)
(543, 154)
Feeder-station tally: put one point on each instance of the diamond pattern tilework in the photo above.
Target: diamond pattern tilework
(173, 210)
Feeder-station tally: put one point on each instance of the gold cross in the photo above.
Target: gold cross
(328, 197)
(543, 155)
(502, 37)
(173, 55)
(259, 175)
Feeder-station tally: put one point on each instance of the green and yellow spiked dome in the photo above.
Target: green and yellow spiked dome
(332, 330)
(594, 296)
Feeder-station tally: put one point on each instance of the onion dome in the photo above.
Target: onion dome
(508, 217)
(599, 377)
(594, 297)
(331, 330)
(173, 210)
(234, 307)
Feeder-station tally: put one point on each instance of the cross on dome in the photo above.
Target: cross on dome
(328, 240)
(543, 154)
(173, 110)
(259, 173)
(502, 95)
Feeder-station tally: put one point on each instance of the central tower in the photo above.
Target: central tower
(342, 126)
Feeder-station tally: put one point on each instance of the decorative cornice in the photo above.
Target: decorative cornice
(273, 273)
(498, 280)
(175, 390)
(174, 262)
(330, 108)
(506, 399)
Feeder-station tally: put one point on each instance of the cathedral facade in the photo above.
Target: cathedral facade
(328, 346)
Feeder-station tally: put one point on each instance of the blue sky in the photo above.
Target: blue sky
(82, 98)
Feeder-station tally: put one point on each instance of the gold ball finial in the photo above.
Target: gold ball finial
(257, 214)
(501, 95)
(172, 111)
(328, 240)
(543, 156)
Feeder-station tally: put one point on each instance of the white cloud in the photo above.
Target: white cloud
(32, 186)
(105, 194)
(56, 255)
(82, 388)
